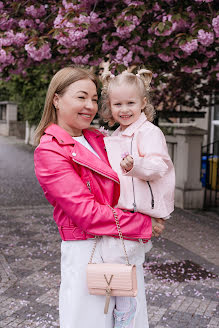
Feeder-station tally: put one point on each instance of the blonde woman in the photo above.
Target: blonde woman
(73, 170)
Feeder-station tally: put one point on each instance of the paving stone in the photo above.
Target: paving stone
(201, 290)
(211, 309)
(25, 292)
(10, 305)
(214, 323)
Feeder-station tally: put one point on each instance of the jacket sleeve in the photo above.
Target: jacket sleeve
(152, 160)
(63, 186)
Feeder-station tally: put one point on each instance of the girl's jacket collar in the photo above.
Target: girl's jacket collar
(79, 154)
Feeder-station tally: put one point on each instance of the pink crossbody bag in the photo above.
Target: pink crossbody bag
(111, 279)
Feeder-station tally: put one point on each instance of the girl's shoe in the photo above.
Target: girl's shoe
(125, 319)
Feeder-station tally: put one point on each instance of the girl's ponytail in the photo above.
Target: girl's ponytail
(146, 76)
(105, 111)
(105, 79)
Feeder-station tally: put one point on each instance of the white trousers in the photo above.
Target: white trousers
(79, 309)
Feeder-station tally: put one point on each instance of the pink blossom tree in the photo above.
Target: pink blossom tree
(177, 40)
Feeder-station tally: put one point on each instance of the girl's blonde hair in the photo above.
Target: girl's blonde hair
(59, 83)
(141, 80)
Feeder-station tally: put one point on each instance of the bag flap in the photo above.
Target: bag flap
(122, 275)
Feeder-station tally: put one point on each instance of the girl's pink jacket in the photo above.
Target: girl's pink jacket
(149, 186)
(79, 185)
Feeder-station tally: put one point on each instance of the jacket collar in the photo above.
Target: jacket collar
(62, 136)
(80, 154)
(131, 129)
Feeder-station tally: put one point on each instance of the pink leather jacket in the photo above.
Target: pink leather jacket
(79, 185)
(149, 186)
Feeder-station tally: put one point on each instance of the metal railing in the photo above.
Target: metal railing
(210, 174)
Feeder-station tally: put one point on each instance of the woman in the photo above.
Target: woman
(72, 168)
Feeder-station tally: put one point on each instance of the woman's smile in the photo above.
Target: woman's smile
(86, 116)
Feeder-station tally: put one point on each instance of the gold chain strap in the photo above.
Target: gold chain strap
(120, 236)
(93, 250)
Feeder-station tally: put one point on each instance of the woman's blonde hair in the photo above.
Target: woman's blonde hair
(141, 80)
(59, 83)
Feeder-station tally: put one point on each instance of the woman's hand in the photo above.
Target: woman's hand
(157, 226)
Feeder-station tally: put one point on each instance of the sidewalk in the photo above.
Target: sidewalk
(181, 281)
(180, 271)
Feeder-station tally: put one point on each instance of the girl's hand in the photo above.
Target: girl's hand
(157, 226)
(127, 163)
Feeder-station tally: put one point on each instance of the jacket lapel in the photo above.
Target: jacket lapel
(86, 158)
(81, 154)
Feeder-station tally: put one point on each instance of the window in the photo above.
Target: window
(215, 120)
(3, 112)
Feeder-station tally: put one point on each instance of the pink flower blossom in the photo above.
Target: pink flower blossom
(150, 43)
(19, 39)
(59, 20)
(124, 31)
(3, 55)
(95, 62)
(169, 31)
(156, 7)
(35, 11)
(133, 3)
(26, 23)
(128, 58)
(81, 60)
(6, 58)
(107, 46)
(68, 5)
(6, 23)
(190, 47)
(96, 23)
(40, 54)
(165, 58)
(215, 68)
(203, 1)
(135, 40)
(10, 38)
(41, 26)
(120, 53)
(124, 155)
(215, 24)
(104, 131)
(210, 54)
(205, 38)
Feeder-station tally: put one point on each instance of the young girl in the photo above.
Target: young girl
(137, 151)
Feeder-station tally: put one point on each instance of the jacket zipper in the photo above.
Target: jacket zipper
(133, 186)
(106, 176)
(152, 196)
(88, 185)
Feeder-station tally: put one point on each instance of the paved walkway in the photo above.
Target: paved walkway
(181, 281)
(18, 183)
